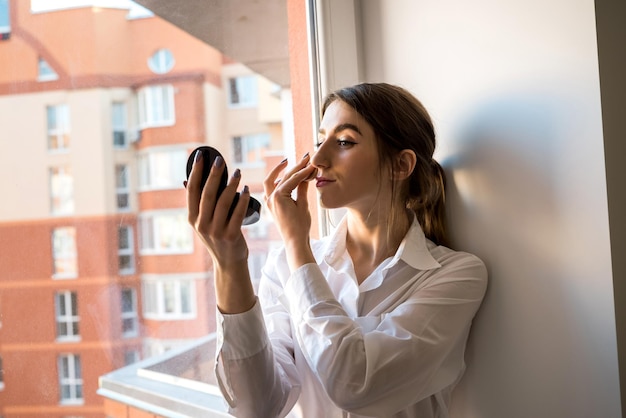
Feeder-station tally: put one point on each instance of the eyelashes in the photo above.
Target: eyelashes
(341, 142)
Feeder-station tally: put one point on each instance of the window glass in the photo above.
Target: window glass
(119, 124)
(103, 249)
(64, 253)
(161, 61)
(46, 72)
(67, 316)
(242, 91)
(58, 117)
(156, 106)
(5, 22)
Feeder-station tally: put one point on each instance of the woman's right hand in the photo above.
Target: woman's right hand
(221, 235)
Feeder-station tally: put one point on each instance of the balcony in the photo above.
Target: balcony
(179, 383)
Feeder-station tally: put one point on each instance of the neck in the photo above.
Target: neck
(371, 237)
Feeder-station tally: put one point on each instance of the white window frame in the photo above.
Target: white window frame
(69, 318)
(243, 91)
(73, 380)
(155, 292)
(122, 187)
(129, 316)
(257, 144)
(151, 232)
(119, 124)
(128, 251)
(61, 131)
(61, 190)
(64, 252)
(156, 106)
(162, 168)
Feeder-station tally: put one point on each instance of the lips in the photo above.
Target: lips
(323, 181)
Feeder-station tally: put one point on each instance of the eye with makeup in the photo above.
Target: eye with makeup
(341, 142)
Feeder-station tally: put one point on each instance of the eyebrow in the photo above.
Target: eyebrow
(343, 127)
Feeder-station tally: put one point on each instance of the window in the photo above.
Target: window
(242, 91)
(58, 118)
(45, 71)
(125, 250)
(119, 124)
(64, 254)
(162, 169)
(165, 232)
(5, 20)
(131, 356)
(122, 189)
(130, 318)
(66, 306)
(250, 149)
(156, 106)
(169, 298)
(162, 61)
(70, 379)
(61, 191)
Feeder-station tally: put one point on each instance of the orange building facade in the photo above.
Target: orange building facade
(98, 267)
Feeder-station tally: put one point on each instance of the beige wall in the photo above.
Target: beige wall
(28, 164)
(513, 88)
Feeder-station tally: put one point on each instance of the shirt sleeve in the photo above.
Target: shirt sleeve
(255, 369)
(415, 351)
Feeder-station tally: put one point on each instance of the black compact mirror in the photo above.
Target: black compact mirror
(209, 154)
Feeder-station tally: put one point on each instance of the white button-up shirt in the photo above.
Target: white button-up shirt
(319, 345)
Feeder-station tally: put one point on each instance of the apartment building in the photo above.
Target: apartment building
(99, 109)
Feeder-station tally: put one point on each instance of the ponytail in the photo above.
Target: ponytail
(427, 199)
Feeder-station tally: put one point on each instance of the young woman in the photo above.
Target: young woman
(371, 321)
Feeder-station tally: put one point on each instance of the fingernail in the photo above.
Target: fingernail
(284, 161)
(197, 156)
(185, 184)
(237, 173)
(218, 161)
(245, 189)
(305, 155)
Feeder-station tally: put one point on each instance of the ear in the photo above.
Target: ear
(404, 164)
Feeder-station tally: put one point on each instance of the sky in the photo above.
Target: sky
(135, 10)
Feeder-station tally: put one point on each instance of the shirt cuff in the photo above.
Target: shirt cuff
(242, 335)
(306, 287)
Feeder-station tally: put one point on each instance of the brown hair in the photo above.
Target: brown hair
(401, 122)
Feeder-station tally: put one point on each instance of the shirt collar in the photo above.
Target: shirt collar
(413, 249)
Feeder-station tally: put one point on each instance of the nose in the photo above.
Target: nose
(319, 159)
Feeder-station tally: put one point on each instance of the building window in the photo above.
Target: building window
(58, 118)
(70, 379)
(61, 191)
(5, 20)
(119, 123)
(45, 71)
(243, 91)
(162, 169)
(125, 250)
(165, 232)
(250, 149)
(162, 61)
(64, 255)
(122, 189)
(130, 320)
(131, 356)
(168, 299)
(156, 106)
(66, 306)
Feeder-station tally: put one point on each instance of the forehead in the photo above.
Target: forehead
(340, 115)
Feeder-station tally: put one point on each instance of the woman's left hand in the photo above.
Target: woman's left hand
(292, 214)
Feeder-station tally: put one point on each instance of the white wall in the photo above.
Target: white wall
(513, 88)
